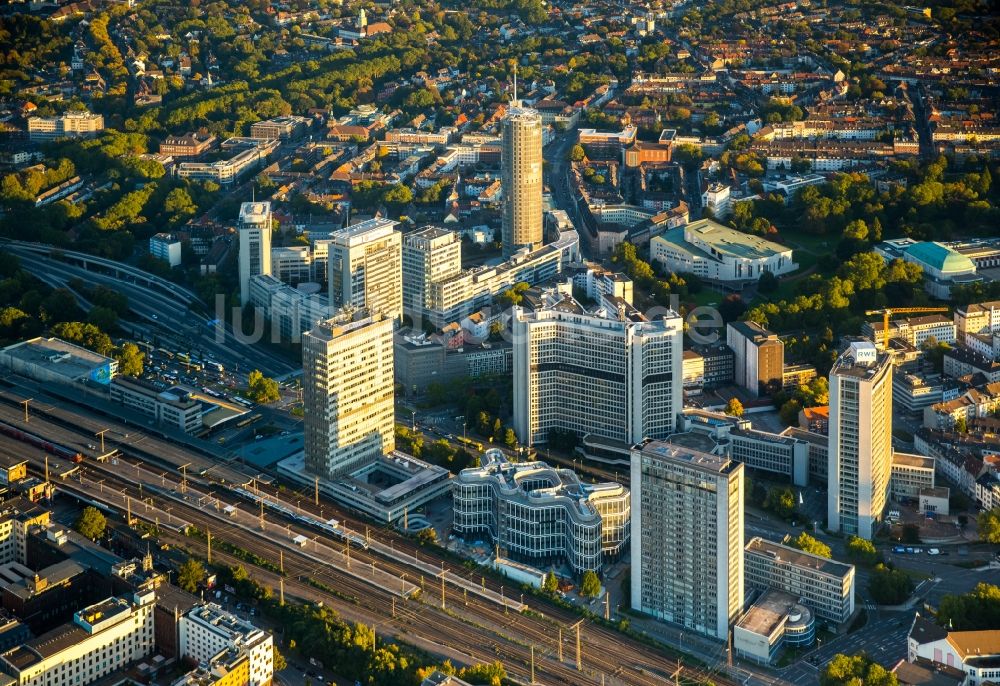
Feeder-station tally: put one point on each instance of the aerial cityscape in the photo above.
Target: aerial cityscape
(507, 343)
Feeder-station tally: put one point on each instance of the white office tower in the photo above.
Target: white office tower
(430, 255)
(521, 179)
(860, 439)
(609, 373)
(365, 267)
(254, 231)
(347, 381)
(687, 537)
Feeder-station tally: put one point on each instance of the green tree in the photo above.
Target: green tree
(808, 544)
(734, 408)
(510, 438)
(889, 586)
(261, 389)
(92, 523)
(550, 584)
(576, 153)
(988, 522)
(961, 426)
(492, 674)
(781, 501)
(278, 660)
(190, 574)
(862, 551)
(590, 584)
(856, 670)
(977, 610)
(768, 282)
(428, 536)
(130, 360)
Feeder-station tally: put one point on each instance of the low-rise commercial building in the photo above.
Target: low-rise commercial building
(188, 145)
(824, 586)
(280, 128)
(774, 621)
(541, 514)
(173, 407)
(910, 475)
(53, 360)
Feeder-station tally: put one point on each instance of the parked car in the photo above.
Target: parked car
(909, 551)
(933, 551)
(898, 549)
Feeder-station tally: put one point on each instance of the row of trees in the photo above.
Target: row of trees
(439, 452)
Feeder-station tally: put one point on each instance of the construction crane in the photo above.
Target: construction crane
(889, 311)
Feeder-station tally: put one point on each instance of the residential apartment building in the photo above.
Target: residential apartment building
(231, 667)
(70, 124)
(521, 179)
(981, 318)
(254, 232)
(795, 375)
(612, 374)
(174, 407)
(975, 653)
(430, 255)
(101, 639)
(18, 517)
(347, 381)
(365, 267)
(687, 552)
(541, 514)
(207, 630)
(824, 586)
(758, 357)
(166, 247)
(860, 440)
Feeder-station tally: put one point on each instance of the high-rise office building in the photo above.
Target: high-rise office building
(860, 439)
(614, 374)
(347, 382)
(430, 255)
(687, 537)
(365, 267)
(521, 178)
(758, 357)
(254, 231)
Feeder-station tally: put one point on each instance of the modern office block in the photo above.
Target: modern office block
(824, 586)
(254, 231)
(687, 551)
(542, 514)
(616, 375)
(521, 179)
(365, 267)
(860, 440)
(347, 382)
(430, 255)
(758, 357)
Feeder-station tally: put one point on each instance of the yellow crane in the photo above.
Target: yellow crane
(889, 311)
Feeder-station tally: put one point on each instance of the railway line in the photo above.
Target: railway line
(608, 655)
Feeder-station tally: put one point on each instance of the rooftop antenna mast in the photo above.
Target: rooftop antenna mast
(515, 101)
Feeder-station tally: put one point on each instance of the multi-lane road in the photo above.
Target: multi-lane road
(165, 314)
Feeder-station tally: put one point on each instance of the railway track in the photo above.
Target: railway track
(607, 654)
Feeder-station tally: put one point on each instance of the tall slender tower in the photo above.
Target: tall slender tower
(254, 231)
(687, 537)
(347, 383)
(860, 440)
(521, 177)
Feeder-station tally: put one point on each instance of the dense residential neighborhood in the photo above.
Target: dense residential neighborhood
(514, 342)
